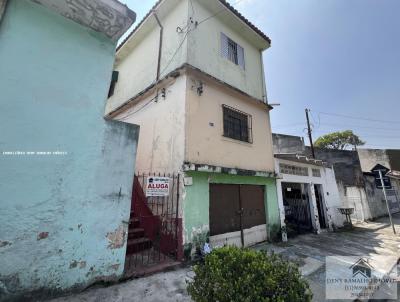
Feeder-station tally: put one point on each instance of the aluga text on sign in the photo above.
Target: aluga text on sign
(157, 186)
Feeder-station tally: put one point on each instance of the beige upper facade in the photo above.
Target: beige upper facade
(191, 35)
(182, 114)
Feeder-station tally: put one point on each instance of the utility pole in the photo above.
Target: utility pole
(310, 134)
(387, 204)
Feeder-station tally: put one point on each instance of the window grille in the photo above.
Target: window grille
(237, 124)
(316, 172)
(293, 170)
(232, 51)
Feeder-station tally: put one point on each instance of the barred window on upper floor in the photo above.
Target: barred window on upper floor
(237, 124)
(232, 51)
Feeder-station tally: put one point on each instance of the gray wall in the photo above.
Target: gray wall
(369, 158)
(345, 163)
(287, 144)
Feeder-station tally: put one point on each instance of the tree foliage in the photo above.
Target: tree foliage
(340, 140)
(231, 274)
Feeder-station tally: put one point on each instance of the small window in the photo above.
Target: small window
(237, 124)
(232, 51)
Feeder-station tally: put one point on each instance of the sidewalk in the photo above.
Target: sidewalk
(309, 251)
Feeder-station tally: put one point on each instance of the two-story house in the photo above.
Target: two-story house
(191, 76)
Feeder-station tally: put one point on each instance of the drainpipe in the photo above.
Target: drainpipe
(159, 46)
(264, 88)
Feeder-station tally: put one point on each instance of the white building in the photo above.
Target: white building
(308, 195)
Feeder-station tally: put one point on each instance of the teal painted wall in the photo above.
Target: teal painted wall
(61, 216)
(196, 204)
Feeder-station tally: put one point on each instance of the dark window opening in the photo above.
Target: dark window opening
(114, 80)
(237, 124)
(232, 51)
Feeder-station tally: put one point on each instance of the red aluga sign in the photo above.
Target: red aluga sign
(157, 186)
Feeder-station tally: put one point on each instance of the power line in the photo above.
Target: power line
(141, 108)
(217, 13)
(191, 29)
(358, 126)
(359, 118)
(289, 125)
(189, 22)
(175, 53)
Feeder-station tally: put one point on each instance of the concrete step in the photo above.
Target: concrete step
(135, 233)
(138, 244)
(134, 222)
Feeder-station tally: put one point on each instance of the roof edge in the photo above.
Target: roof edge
(223, 2)
(175, 73)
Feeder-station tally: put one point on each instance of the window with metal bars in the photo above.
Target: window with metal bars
(237, 124)
(232, 51)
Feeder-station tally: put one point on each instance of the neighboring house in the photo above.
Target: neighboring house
(191, 76)
(349, 178)
(390, 161)
(66, 174)
(308, 195)
(353, 172)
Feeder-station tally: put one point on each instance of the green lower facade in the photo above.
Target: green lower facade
(196, 205)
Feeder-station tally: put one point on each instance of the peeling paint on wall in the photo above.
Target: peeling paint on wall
(116, 238)
(65, 201)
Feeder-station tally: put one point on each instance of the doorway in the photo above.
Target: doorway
(296, 202)
(319, 196)
(237, 214)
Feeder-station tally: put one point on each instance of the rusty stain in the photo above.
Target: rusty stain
(116, 238)
(82, 264)
(4, 243)
(42, 235)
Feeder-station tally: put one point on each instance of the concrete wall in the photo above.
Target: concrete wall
(62, 216)
(394, 159)
(375, 197)
(205, 143)
(162, 128)
(288, 144)
(369, 158)
(137, 61)
(345, 163)
(204, 51)
(196, 204)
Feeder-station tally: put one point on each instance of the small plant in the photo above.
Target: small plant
(244, 275)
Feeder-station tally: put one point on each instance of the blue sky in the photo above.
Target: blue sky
(340, 58)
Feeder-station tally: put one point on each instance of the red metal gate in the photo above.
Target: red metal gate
(155, 228)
